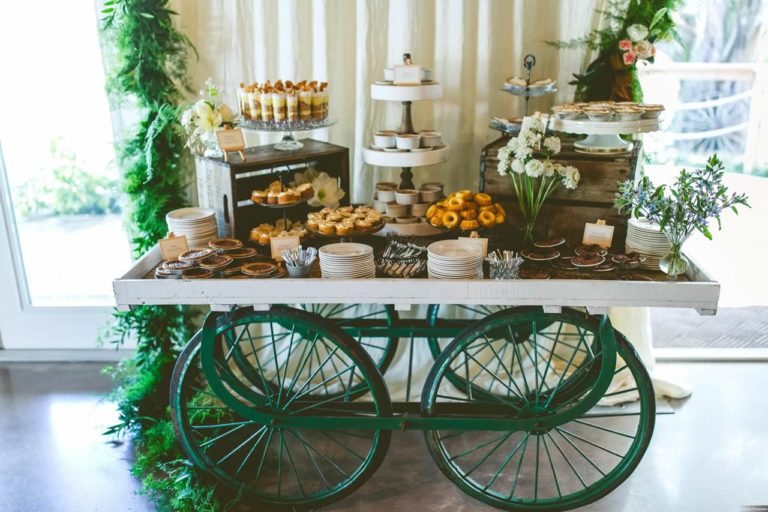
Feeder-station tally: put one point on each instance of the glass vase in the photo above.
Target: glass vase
(212, 149)
(675, 263)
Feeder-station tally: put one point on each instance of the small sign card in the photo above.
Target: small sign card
(231, 140)
(598, 233)
(172, 246)
(480, 242)
(407, 75)
(278, 243)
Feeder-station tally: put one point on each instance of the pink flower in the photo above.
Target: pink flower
(629, 58)
(625, 45)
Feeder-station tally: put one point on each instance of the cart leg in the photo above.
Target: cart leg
(579, 451)
(281, 466)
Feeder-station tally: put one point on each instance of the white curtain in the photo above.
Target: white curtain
(473, 45)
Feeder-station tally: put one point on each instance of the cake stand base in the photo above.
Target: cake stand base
(406, 179)
(603, 145)
(289, 143)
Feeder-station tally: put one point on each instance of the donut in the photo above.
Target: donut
(468, 214)
(487, 219)
(488, 208)
(454, 204)
(470, 205)
(439, 213)
(500, 219)
(436, 221)
(431, 211)
(500, 209)
(483, 199)
(468, 225)
(450, 219)
(466, 195)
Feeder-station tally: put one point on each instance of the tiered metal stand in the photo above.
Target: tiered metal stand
(287, 404)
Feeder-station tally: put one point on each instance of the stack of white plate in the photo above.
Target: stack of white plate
(197, 224)
(347, 261)
(647, 239)
(454, 259)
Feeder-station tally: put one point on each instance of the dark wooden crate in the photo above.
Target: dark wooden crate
(566, 211)
(226, 187)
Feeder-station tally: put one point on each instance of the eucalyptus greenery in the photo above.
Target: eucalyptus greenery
(689, 205)
(148, 59)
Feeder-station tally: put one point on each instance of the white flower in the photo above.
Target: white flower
(186, 118)
(643, 49)
(523, 152)
(517, 166)
(512, 145)
(530, 138)
(532, 123)
(570, 176)
(549, 169)
(552, 144)
(504, 156)
(534, 168)
(327, 191)
(203, 108)
(637, 32)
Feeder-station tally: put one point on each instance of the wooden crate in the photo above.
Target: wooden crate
(566, 211)
(226, 187)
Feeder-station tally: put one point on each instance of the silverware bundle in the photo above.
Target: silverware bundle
(504, 264)
(298, 261)
(402, 258)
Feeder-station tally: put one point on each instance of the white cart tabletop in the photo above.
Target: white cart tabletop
(135, 288)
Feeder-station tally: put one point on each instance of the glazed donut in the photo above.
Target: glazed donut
(466, 195)
(469, 214)
(470, 205)
(450, 219)
(487, 219)
(439, 214)
(431, 211)
(500, 219)
(436, 221)
(468, 225)
(455, 204)
(488, 208)
(483, 199)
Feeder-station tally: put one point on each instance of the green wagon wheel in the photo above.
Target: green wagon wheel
(463, 316)
(577, 452)
(278, 465)
(351, 317)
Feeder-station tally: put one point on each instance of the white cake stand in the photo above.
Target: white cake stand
(603, 137)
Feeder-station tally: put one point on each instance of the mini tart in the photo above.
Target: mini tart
(196, 255)
(454, 204)
(343, 229)
(363, 225)
(243, 254)
(221, 245)
(466, 195)
(272, 198)
(327, 228)
(468, 225)
(305, 190)
(469, 214)
(217, 262)
(197, 273)
(487, 219)
(176, 266)
(451, 219)
(483, 199)
(258, 196)
(431, 211)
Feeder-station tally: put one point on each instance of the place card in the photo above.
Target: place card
(172, 246)
(231, 140)
(279, 243)
(598, 233)
(480, 242)
(407, 75)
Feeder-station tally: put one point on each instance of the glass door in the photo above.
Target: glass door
(61, 235)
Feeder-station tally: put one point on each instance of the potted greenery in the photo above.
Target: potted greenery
(688, 205)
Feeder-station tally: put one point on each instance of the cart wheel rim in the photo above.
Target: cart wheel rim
(554, 466)
(273, 464)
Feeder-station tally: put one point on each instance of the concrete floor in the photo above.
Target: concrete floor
(709, 456)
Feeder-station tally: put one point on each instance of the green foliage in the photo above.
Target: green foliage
(689, 204)
(150, 67)
(71, 190)
(599, 79)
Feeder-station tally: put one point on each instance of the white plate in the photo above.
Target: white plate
(191, 214)
(453, 249)
(347, 249)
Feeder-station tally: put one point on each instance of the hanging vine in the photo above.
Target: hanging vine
(147, 60)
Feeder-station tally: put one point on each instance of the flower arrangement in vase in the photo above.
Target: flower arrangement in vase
(201, 120)
(628, 36)
(534, 179)
(695, 198)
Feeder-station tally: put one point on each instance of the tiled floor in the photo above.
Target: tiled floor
(709, 456)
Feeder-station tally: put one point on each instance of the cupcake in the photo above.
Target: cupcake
(363, 225)
(327, 228)
(272, 197)
(305, 190)
(258, 196)
(343, 229)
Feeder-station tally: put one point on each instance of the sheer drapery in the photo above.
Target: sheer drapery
(472, 46)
